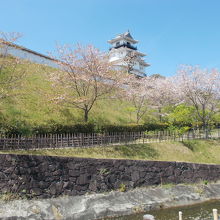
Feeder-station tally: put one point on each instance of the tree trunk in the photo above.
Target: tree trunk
(205, 128)
(86, 115)
(160, 116)
(137, 118)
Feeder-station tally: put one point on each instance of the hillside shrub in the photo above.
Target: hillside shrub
(135, 127)
(14, 127)
(122, 128)
(159, 126)
(64, 129)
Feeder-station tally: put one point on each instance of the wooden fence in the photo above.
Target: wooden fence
(151, 217)
(13, 142)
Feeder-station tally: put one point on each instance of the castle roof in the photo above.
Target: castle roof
(126, 36)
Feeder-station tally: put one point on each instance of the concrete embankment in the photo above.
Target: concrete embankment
(97, 206)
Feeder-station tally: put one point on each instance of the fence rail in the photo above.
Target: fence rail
(14, 142)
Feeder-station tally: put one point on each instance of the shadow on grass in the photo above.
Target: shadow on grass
(142, 151)
(133, 151)
(191, 145)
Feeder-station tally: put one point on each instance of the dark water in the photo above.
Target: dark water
(201, 211)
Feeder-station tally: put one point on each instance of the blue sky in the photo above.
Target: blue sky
(171, 32)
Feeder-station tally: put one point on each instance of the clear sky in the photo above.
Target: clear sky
(170, 32)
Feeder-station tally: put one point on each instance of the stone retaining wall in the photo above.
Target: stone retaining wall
(46, 176)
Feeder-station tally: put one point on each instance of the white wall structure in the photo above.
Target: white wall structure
(123, 46)
(27, 54)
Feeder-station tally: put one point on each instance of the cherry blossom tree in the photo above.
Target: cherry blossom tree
(150, 93)
(129, 61)
(163, 92)
(138, 93)
(86, 76)
(200, 88)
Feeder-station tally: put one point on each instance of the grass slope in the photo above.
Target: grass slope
(32, 103)
(197, 151)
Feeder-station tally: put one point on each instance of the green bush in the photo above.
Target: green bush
(179, 130)
(123, 128)
(156, 126)
(64, 129)
(14, 127)
(135, 127)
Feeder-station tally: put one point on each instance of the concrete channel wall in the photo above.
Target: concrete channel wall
(47, 176)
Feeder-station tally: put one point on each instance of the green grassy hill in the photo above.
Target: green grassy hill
(31, 104)
(197, 151)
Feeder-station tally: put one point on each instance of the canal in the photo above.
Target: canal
(202, 211)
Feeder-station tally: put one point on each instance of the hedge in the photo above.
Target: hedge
(54, 128)
(62, 129)
(134, 127)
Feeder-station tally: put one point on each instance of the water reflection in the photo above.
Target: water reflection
(201, 211)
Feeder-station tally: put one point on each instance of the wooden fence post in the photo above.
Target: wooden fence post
(215, 214)
(180, 216)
